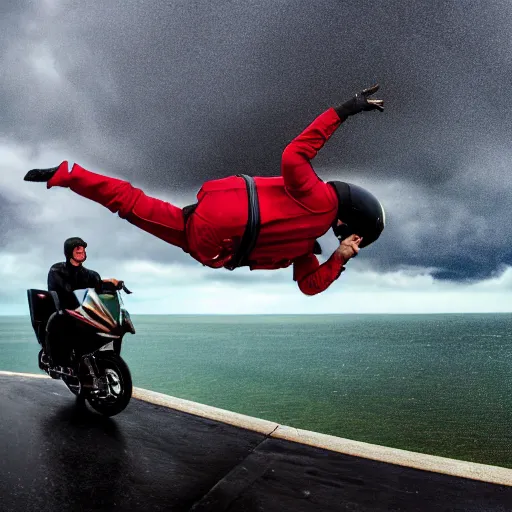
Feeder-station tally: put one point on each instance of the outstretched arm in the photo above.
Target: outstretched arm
(298, 174)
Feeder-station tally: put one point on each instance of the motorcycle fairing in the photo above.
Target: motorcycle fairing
(93, 312)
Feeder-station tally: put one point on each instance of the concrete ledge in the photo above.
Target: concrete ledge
(206, 411)
(431, 463)
(20, 374)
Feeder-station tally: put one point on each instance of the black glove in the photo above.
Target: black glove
(359, 103)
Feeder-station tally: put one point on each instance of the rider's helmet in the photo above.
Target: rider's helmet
(360, 211)
(70, 244)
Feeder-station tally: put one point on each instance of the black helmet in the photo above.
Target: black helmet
(70, 244)
(360, 211)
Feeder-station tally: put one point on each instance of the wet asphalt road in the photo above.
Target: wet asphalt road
(55, 456)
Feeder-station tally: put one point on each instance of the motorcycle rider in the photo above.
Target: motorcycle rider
(225, 228)
(64, 278)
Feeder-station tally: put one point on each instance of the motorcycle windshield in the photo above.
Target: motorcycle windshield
(112, 304)
(102, 311)
(80, 294)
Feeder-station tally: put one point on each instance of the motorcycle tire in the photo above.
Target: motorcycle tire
(112, 367)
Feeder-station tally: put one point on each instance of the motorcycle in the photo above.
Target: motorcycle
(95, 370)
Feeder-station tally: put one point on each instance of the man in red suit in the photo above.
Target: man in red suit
(260, 222)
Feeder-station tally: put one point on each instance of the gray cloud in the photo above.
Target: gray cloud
(173, 95)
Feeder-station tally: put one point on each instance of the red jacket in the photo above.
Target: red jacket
(295, 208)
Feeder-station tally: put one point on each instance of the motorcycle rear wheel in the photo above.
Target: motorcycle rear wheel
(119, 382)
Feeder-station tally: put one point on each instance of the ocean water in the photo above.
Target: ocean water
(437, 384)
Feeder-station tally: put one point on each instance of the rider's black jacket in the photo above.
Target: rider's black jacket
(64, 278)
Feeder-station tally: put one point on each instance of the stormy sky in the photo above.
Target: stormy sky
(168, 95)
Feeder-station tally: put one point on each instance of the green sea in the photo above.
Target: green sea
(437, 384)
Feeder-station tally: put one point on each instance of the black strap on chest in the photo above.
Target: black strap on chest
(252, 228)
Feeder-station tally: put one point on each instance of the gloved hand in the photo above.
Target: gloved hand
(359, 103)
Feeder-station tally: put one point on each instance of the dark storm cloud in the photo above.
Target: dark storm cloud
(11, 224)
(172, 95)
(461, 234)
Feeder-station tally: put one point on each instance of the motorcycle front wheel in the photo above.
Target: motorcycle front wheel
(118, 380)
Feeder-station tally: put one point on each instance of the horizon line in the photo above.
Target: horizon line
(306, 314)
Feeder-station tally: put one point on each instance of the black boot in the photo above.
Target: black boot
(40, 175)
